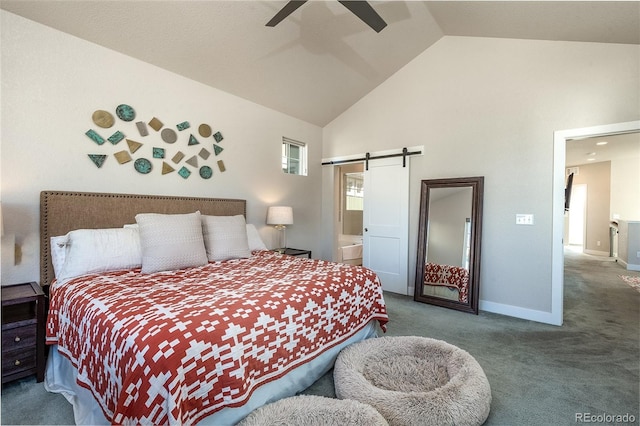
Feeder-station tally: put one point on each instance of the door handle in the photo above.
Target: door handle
(366, 229)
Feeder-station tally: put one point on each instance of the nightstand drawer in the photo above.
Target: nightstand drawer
(18, 361)
(19, 337)
(23, 331)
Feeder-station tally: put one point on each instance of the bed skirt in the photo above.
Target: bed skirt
(60, 377)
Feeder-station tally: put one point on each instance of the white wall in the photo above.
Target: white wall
(629, 244)
(489, 107)
(625, 187)
(51, 84)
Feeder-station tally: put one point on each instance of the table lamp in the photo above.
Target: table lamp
(280, 217)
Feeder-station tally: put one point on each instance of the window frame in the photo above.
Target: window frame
(286, 158)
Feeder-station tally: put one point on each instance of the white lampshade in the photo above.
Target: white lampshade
(280, 215)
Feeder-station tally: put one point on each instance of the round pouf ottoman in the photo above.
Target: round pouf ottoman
(414, 380)
(312, 410)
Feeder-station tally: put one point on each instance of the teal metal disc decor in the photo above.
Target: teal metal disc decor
(206, 172)
(125, 112)
(142, 165)
(184, 147)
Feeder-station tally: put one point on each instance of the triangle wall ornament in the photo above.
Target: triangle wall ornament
(193, 161)
(133, 145)
(98, 159)
(166, 168)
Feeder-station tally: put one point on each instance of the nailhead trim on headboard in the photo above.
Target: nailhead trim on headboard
(63, 211)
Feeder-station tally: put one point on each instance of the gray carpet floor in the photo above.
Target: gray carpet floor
(539, 374)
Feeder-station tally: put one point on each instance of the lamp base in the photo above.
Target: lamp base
(282, 238)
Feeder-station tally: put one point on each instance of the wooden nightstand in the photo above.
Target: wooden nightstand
(296, 252)
(23, 331)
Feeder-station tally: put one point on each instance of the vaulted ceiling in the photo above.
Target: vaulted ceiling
(321, 59)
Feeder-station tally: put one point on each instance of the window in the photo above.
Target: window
(294, 157)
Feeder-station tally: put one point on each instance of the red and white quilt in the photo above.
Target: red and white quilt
(174, 347)
(455, 277)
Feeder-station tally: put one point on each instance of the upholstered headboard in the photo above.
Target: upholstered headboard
(61, 212)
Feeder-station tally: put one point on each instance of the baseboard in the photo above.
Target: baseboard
(597, 253)
(518, 312)
(629, 266)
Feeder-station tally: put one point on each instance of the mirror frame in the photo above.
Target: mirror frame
(477, 185)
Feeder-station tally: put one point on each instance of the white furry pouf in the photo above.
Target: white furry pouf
(312, 410)
(414, 380)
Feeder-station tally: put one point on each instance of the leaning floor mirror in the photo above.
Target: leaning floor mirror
(450, 229)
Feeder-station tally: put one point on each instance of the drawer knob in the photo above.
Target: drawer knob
(17, 362)
(17, 339)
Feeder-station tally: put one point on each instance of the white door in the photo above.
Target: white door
(386, 222)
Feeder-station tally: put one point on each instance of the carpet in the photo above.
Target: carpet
(632, 281)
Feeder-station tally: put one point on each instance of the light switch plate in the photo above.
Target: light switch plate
(524, 219)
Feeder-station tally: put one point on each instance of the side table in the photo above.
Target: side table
(23, 331)
(295, 252)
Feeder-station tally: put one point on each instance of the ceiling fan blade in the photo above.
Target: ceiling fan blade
(287, 10)
(364, 11)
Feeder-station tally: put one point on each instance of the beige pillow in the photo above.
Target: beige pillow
(225, 237)
(171, 241)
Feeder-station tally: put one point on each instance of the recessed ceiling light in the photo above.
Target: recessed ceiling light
(602, 143)
(591, 154)
(591, 159)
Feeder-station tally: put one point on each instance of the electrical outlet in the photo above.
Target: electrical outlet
(524, 219)
(638, 254)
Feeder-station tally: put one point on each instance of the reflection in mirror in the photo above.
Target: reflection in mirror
(448, 263)
(353, 203)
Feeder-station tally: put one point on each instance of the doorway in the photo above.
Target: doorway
(350, 192)
(383, 240)
(558, 220)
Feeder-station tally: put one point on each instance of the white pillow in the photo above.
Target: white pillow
(58, 248)
(225, 237)
(89, 251)
(255, 242)
(171, 241)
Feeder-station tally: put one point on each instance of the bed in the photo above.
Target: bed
(204, 344)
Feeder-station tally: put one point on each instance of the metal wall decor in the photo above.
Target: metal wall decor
(103, 118)
(98, 159)
(184, 149)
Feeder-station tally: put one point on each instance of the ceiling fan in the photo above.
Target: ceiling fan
(361, 9)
